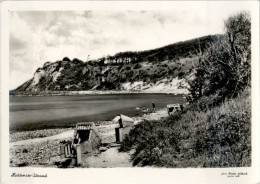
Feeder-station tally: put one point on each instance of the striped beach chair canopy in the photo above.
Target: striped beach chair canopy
(85, 126)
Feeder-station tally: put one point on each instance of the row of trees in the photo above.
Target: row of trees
(224, 69)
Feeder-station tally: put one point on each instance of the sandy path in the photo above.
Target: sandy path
(107, 133)
(64, 135)
(110, 158)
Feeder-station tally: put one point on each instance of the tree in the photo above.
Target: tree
(66, 59)
(101, 61)
(238, 30)
(225, 66)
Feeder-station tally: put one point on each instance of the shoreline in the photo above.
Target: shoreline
(29, 149)
(55, 130)
(107, 92)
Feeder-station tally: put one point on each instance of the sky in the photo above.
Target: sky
(40, 36)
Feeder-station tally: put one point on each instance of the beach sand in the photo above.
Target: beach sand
(44, 150)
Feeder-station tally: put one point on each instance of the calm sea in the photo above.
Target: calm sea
(30, 113)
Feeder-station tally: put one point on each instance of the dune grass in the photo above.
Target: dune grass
(209, 133)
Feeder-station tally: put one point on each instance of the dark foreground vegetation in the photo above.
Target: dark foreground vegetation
(214, 130)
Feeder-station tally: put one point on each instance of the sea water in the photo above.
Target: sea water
(39, 112)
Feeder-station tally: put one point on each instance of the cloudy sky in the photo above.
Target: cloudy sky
(40, 36)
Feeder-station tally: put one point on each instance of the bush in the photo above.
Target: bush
(137, 65)
(203, 135)
(225, 66)
(66, 59)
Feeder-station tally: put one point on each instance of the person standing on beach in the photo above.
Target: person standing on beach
(153, 107)
(181, 106)
(120, 121)
(75, 142)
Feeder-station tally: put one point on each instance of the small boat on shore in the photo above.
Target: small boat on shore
(145, 110)
(172, 108)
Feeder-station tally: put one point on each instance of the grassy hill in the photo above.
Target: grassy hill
(162, 65)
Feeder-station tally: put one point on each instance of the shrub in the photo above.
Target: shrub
(66, 59)
(137, 65)
(203, 135)
(225, 66)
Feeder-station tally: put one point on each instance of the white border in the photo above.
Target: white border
(123, 175)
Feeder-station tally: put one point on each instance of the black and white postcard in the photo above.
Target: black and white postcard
(130, 92)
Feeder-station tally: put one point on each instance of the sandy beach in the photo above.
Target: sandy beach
(42, 147)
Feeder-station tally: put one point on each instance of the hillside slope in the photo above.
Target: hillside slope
(166, 69)
(197, 137)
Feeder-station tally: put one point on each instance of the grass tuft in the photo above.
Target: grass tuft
(209, 133)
